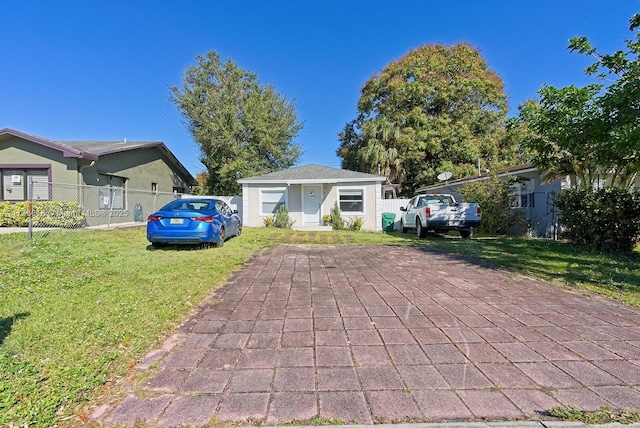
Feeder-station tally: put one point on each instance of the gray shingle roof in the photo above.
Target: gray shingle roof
(312, 173)
(101, 148)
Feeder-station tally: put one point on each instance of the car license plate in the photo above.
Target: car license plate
(176, 221)
(454, 223)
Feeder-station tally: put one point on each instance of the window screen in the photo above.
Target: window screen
(352, 200)
(271, 201)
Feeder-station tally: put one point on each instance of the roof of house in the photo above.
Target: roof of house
(92, 150)
(311, 173)
(512, 170)
(101, 148)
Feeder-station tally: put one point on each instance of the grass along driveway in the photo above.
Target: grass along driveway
(79, 307)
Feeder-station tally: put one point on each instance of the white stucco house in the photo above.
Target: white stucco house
(309, 192)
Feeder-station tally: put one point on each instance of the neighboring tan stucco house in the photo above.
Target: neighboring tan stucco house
(309, 192)
(115, 169)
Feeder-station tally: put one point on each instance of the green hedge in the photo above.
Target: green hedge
(45, 214)
(608, 219)
(498, 218)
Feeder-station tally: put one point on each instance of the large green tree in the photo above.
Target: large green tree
(439, 108)
(591, 133)
(243, 128)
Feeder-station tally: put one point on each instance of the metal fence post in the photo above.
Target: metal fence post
(30, 199)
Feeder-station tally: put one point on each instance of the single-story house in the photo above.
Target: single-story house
(114, 168)
(144, 165)
(531, 195)
(309, 192)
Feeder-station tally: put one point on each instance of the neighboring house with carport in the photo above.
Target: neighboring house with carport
(531, 195)
(64, 170)
(309, 192)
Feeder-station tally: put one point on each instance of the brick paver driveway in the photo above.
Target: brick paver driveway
(375, 333)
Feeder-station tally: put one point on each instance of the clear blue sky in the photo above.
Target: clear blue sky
(100, 70)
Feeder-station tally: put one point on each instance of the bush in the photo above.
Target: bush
(268, 222)
(498, 218)
(608, 219)
(14, 215)
(58, 214)
(355, 223)
(45, 214)
(282, 219)
(337, 223)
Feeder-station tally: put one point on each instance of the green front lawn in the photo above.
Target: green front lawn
(77, 308)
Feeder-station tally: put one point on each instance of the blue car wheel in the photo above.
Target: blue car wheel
(221, 237)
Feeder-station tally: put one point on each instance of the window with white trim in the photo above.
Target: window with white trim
(522, 195)
(351, 200)
(528, 200)
(271, 200)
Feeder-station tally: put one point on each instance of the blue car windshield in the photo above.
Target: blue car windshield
(187, 205)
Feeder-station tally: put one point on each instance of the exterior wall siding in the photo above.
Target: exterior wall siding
(16, 151)
(140, 167)
(294, 204)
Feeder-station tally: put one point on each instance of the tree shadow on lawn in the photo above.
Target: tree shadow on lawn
(6, 324)
(544, 259)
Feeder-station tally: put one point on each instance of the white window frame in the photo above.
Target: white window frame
(362, 189)
(263, 190)
(515, 190)
(518, 190)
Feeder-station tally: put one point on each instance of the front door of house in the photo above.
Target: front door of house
(311, 201)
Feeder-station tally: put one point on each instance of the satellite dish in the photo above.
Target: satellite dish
(444, 176)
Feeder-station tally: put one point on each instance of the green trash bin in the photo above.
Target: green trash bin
(388, 220)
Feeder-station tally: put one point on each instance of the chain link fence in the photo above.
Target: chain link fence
(64, 206)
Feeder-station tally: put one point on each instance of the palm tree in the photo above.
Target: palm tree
(380, 154)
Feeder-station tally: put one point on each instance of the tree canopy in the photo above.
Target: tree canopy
(591, 133)
(439, 108)
(243, 128)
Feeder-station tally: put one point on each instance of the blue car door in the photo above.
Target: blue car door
(229, 220)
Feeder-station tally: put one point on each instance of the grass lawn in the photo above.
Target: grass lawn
(77, 308)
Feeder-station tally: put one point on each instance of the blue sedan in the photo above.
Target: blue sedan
(193, 221)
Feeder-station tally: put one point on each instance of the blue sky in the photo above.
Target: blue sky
(100, 70)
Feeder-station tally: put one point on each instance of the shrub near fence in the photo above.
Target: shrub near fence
(608, 219)
(44, 214)
(75, 206)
